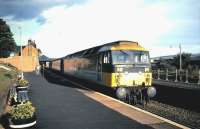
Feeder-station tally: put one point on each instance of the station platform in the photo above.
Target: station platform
(63, 104)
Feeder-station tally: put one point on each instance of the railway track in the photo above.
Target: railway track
(179, 115)
(175, 112)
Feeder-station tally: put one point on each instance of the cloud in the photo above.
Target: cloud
(68, 30)
(41, 20)
(60, 28)
(28, 9)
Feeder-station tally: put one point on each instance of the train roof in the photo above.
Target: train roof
(122, 45)
(116, 45)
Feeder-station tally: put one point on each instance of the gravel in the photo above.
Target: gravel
(182, 116)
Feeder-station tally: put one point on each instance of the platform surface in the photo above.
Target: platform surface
(68, 106)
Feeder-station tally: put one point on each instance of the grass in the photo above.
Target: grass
(6, 78)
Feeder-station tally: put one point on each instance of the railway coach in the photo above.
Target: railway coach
(123, 66)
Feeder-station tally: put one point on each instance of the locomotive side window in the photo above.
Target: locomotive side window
(106, 57)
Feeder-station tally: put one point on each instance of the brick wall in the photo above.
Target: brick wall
(24, 63)
(27, 62)
(29, 50)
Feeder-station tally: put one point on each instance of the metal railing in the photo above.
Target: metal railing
(186, 76)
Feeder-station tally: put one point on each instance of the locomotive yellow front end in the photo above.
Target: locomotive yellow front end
(131, 76)
(131, 79)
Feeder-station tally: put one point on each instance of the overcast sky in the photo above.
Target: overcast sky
(61, 27)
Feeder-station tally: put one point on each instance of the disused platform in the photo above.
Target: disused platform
(63, 104)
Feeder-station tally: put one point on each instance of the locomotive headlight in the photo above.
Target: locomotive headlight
(121, 93)
(119, 69)
(146, 69)
(151, 92)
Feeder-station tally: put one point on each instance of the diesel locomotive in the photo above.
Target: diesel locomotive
(123, 66)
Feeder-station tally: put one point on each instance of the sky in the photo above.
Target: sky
(62, 27)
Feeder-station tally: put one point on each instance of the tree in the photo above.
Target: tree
(186, 57)
(7, 42)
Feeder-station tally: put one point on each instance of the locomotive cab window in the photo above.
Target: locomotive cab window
(130, 57)
(144, 57)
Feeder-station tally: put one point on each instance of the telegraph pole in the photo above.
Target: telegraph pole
(180, 67)
(180, 57)
(21, 57)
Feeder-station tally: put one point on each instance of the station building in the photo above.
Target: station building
(27, 60)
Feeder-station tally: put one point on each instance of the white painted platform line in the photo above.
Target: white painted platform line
(131, 106)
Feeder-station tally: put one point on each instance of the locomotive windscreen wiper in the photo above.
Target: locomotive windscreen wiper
(124, 52)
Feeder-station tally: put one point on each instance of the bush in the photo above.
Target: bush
(23, 82)
(22, 111)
